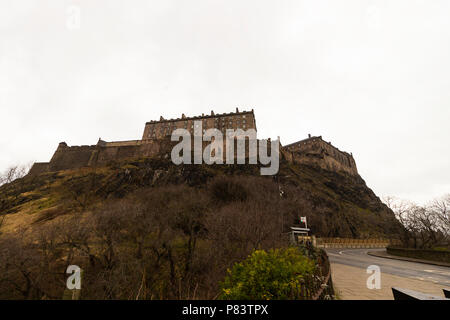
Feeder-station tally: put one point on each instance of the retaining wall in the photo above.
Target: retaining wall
(434, 255)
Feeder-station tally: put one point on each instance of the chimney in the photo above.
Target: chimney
(309, 135)
(237, 110)
(212, 112)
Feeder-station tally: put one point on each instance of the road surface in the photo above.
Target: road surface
(349, 267)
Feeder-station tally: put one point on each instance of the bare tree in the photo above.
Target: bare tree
(402, 210)
(424, 226)
(13, 173)
(441, 208)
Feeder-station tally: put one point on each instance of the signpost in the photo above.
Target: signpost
(301, 233)
(303, 220)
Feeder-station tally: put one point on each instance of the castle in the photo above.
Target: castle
(156, 141)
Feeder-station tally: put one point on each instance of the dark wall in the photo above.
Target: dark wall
(434, 255)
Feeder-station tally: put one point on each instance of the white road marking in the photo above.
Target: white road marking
(333, 254)
(438, 272)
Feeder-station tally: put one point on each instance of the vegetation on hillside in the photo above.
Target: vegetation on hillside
(147, 229)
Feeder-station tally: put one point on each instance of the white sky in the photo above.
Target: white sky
(372, 77)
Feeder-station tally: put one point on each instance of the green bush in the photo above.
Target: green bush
(276, 274)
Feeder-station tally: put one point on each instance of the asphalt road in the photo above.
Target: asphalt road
(360, 259)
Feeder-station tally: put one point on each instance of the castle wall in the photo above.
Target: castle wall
(74, 157)
(129, 150)
(156, 142)
(103, 153)
(38, 168)
(122, 143)
(315, 151)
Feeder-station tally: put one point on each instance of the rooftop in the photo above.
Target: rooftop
(203, 116)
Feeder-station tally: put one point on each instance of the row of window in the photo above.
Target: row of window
(171, 127)
(167, 132)
(223, 120)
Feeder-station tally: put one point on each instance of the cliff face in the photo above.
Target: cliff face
(340, 204)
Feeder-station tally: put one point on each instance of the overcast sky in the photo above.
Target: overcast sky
(372, 77)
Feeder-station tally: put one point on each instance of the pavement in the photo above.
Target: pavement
(349, 274)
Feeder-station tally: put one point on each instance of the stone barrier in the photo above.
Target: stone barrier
(352, 243)
(426, 254)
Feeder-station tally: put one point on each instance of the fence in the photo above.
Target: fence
(353, 243)
(320, 285)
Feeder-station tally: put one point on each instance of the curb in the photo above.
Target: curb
(386, 256)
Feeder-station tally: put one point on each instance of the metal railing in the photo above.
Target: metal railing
(318, 286)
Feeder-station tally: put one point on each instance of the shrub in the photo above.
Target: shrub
(276, 274)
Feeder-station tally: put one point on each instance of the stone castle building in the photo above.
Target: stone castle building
(315, 151)
(156, 141)
(163, 128)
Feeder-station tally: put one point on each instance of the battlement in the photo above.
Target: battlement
(203, 116)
